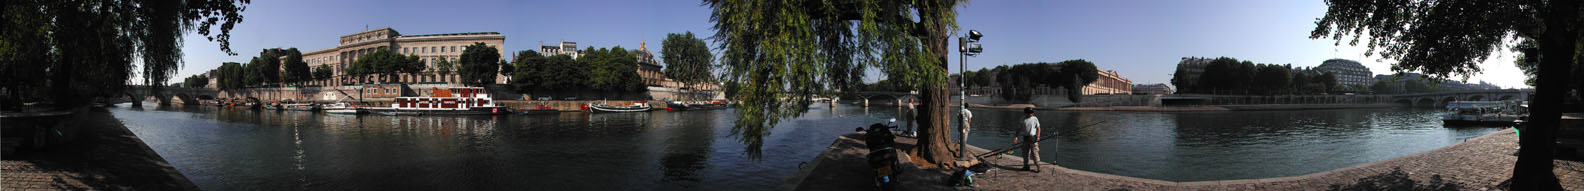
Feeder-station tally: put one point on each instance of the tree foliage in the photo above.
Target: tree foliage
(386, 65)
(231, 76)
(1018, 82)
(1231, 76)
(323, 72)
(295, 70)
(613, 70)
(527, 65)
(479, 64)
(782, 54)
(196, 81)
(79, 49)
(1449, 38)
(688, 59)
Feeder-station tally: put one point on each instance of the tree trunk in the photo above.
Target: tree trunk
(1538, 140)
(934, 143)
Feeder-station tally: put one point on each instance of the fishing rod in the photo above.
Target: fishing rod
(1046, 137)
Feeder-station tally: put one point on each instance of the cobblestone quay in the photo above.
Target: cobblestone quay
(1481, 163)
(106, 156)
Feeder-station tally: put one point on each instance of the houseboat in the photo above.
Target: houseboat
(450, 101)
(684, 106)
(302, 106)
(1484, 113)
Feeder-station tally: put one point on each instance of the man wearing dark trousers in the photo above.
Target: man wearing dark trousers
(1031, 130)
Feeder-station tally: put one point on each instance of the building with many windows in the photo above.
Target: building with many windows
(565, 48)
(1350, 75)
(648, 67)
(1109, 83)
(431, 48)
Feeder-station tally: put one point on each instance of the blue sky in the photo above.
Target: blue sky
(1143, 40)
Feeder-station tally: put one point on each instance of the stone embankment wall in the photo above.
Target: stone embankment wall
(1056, 101)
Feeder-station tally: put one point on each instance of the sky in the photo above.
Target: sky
(1141, 40)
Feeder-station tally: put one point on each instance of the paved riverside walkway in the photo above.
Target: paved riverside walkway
(106, 156)
(1481, 163)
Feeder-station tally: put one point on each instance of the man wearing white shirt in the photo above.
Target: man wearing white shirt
(1031, 129)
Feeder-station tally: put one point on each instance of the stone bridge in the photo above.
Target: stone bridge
(167, 95)
(900, 97)
(1438, 99)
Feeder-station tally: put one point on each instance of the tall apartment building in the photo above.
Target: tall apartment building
(1350, 75)
(431, 48)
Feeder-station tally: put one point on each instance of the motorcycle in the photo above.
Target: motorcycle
(883, 155)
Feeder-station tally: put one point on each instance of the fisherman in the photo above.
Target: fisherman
(962, 142)
(1031, 130)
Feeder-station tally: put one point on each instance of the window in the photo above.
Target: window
(453, 48)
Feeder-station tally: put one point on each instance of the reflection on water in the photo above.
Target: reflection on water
(226, 149)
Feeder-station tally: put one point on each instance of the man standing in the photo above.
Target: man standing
(910, 114)
(962, 142)
(1031, 129)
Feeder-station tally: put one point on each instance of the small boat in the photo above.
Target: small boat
(1484, 113)
(302, 106)
(684, 106)
(273, 106)
(636, 107)
(537, 110)
(342, 108)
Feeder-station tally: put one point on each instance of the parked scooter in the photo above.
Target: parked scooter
(883, 155)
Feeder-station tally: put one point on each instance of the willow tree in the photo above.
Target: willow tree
(76, 49)
(1450, 37)
(780, 54)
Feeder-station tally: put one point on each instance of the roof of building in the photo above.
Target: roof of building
(456, 34)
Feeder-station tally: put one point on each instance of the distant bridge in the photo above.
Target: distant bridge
(900, 97)
(1436, 99)
(187, 96)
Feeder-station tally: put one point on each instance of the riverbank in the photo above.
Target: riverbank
(1480, 163)
(105, 156)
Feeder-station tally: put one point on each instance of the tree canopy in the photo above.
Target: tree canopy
(1019, 81)
(295, 70)
(688, 59)
(479, 64)
(613, 70)
(1450, 38)
(779, 55)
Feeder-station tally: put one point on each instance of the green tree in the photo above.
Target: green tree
(527, 64)
(613, 70)
(1180, 80)
(384, 64)
(231, 75)
(688, 60)
(269, 68)
(196, 81)
(1446, 38)
(478, 64)
(296, 71)
(560, 72)
(1381, 87)
(507, 68)
(1529, 61)
(1327, 81)
(1272, 79)
(445, 68)
(412, 66)
(323, 72)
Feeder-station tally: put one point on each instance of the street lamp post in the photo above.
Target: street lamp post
(968, 46)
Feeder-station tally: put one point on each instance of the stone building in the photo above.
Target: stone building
(565, 48)
(1109, 83)
(1350, 75)
(648, 67)
(431, 48)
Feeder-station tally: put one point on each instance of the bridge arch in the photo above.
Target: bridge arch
(1447, 100)
(1505, 98)
(1476, 98)
(1425, 102)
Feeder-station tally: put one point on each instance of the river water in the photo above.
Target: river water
(225, 149)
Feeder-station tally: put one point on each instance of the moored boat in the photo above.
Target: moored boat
(452, 101)
(537, 110)
(683, 106)
(302, 106)
(1484, 113)
(342, 108)
(635, 107)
